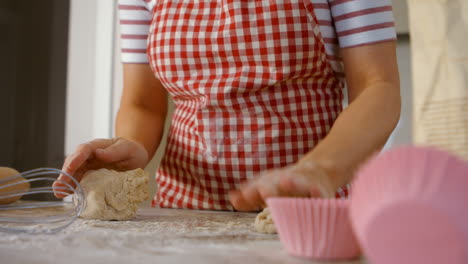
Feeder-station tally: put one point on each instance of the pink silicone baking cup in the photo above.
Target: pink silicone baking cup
(409, 205)
(314, 228)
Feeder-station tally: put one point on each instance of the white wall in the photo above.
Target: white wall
(90, 71)
(81, 73)
(400, 10)
(403, 132)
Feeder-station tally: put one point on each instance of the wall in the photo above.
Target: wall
(403, 132)
(400, 11)
(90, 70)
(81, 73)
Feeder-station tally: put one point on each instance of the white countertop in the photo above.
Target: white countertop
(156, 236)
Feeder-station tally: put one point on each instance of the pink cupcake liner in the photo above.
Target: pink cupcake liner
(314, 228)
(408, 205)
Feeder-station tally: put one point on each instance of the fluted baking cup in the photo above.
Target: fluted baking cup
(409, 205)
(314, 228)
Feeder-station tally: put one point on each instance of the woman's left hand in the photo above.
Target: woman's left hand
(298, 180)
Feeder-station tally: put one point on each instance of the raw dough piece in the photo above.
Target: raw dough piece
(264, 222)
(21, 185)
(113, 195)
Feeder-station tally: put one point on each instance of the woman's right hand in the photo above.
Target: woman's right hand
(117, 154)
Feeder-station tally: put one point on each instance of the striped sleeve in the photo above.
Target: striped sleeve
(135, 19)
(361, 22)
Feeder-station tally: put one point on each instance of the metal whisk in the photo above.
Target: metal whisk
(39, 217)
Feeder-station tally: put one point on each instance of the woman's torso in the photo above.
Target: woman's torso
(256, 84)
(252, 87)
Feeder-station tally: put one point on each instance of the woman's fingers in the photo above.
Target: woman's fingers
(252, 196)
(299, 186)
(291, 182)
(75, 165)
(118, 151)
(64, 185)
(241, 203)
(238, 201)
(248, 198)
(71, 166)
(123, 155)
(82, 153)
(74, 162)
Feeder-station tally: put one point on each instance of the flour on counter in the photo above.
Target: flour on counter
(152, 233)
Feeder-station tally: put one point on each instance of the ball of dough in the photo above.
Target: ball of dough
(21, 185)
(264, 222)
(113, 195)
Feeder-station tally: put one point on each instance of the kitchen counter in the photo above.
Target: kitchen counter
(155, 235)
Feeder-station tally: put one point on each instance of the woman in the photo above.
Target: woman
(257, 87)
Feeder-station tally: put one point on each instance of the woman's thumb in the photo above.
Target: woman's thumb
(113, 153)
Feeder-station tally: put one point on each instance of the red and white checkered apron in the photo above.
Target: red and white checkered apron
(252, 87)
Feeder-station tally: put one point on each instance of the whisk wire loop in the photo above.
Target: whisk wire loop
(40, 217)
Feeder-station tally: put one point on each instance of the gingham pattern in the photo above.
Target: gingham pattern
(343, 24)
(252, 87)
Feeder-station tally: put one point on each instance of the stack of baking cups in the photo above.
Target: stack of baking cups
(314, 228)
(408, 205)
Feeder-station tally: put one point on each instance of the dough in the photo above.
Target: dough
(22, 185)
(113, 195)
(264, 222)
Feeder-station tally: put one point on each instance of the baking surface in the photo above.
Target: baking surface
(155, 235)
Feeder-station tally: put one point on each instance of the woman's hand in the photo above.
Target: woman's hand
(117, 154)
(299, 180)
